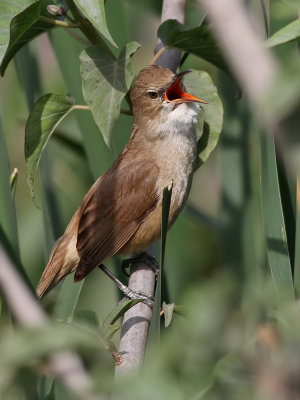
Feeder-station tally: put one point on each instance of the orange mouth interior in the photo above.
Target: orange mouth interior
(175, 93)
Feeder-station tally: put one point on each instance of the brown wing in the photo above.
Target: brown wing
(121, 200)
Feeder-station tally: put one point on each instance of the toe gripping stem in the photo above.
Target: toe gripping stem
(131, 294)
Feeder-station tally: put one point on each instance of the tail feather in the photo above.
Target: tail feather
(63, 260)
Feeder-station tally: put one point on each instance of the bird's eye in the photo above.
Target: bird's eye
(152, 94)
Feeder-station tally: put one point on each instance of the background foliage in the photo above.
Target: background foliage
(232, 257)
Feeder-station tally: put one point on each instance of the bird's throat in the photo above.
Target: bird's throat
(177, 119)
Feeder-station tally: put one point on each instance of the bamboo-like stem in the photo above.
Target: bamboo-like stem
(57, 22)
(136, 320)
(28, 312)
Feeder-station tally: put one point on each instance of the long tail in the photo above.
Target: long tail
(63, 260)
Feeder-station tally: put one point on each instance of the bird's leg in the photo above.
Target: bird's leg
(131, 294)
(144, 258)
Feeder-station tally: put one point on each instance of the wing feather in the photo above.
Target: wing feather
(121, 199)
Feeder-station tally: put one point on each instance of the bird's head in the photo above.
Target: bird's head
(158, 98)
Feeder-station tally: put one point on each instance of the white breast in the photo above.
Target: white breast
(178, 144)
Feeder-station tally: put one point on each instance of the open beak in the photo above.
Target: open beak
(176, 94)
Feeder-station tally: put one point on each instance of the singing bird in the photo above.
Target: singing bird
(121, 213)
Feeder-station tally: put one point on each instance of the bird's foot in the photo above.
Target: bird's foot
(129, 293)
(144, 258)
(136, 295)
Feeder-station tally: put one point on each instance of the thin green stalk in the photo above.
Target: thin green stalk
(83, 107)
(58, 22)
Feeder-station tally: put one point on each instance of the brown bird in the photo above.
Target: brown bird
(121, 213)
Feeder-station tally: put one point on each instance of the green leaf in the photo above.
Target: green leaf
(98, 156)
(46, 115)
(200, 84)
(94, 11)
(19, 23)
(198, 41)
(287, 34)
(105, 82)
(168, 313)
(275, 231)
(119, 311)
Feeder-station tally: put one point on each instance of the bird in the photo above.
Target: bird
(121, 212)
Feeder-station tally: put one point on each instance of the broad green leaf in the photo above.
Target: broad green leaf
(201, 85)
(46, 115)
(105, 82)
(99, 158)
(19, 23)
(287, 34)
(94, 11)
(198, 41)
(275, 230)
(119, 311)
(10, 14)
